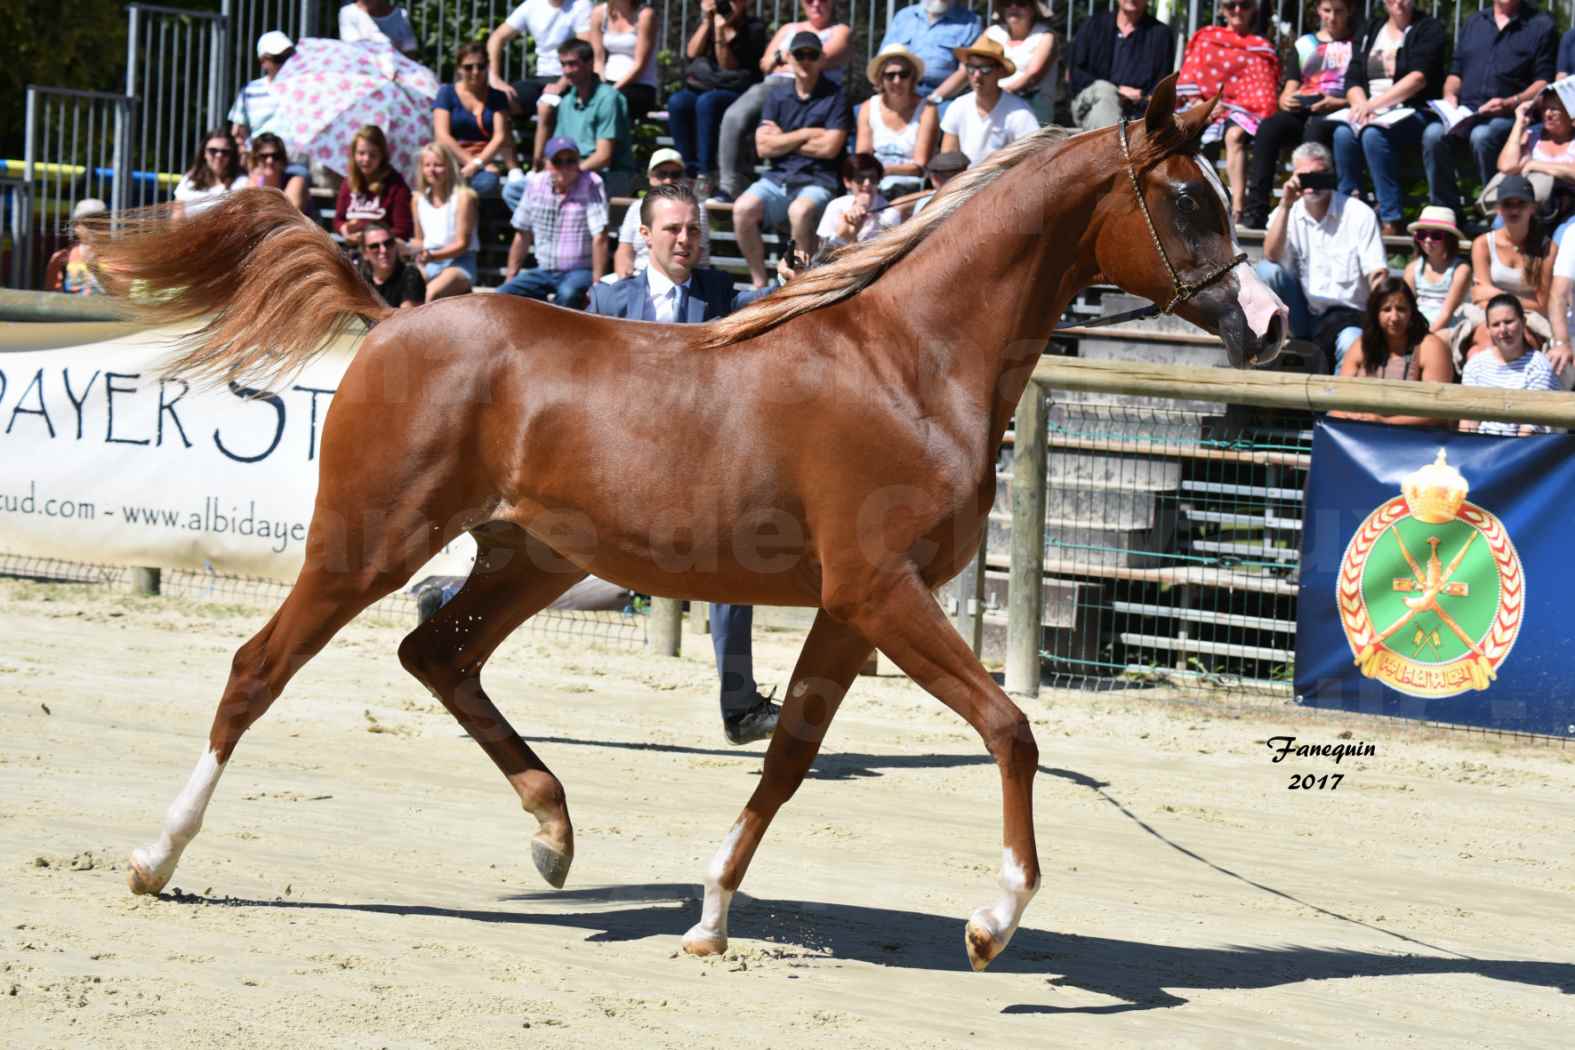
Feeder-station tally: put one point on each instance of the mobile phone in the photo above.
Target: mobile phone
(1318, 180)
(1309, 100)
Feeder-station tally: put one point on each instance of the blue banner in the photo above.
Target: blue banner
(1438, 577)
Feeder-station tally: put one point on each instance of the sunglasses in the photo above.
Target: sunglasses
(565, 160)
(1237, 5)
(220, 152)
(983, 68)
(268, 158)
(897, 74)
(806, 55)
(863, 180)
(1430, 235)
(380, 246)
(668, 174)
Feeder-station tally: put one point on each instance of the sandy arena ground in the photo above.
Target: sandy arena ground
(363, 879)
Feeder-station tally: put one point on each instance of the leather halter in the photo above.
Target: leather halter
(1184, 290)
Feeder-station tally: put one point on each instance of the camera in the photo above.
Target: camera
(724, 8)
(1318, 180)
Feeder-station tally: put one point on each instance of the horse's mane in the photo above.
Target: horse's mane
(852, 268)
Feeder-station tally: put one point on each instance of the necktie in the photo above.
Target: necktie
(680, 304)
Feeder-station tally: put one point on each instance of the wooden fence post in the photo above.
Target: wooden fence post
(1025, 594)
(145, 580)
(665, 632)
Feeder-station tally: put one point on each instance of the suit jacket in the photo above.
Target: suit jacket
(711, 296)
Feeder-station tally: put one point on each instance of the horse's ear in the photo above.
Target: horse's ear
(1161, 108)
(1195, 121)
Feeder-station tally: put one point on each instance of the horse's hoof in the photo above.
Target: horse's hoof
(701, 941)
(552, 862)
(981, 944)
(141, 880)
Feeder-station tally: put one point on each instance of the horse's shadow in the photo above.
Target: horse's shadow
(1138, 974)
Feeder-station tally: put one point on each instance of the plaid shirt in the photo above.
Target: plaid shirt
(562, 226)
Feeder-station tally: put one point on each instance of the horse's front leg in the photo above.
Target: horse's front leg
(907, 624)
(832, 655)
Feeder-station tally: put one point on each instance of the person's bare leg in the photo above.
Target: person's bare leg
(748, 213)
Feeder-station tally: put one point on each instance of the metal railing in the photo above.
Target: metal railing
(175, 60)
(76, 146)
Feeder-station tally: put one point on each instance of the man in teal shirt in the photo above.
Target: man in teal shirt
(596, 116)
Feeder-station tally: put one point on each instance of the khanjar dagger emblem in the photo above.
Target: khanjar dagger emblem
(1431, 589)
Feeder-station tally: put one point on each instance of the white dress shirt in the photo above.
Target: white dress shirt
(662, 302)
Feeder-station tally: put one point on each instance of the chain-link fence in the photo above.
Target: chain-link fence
(618, 629)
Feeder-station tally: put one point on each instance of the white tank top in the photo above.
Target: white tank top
(620, 53)
(893, 147)
(437, 224)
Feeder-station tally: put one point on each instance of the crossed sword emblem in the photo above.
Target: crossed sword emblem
(1428, 585)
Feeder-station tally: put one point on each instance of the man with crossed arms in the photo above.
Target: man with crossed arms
(672, 289)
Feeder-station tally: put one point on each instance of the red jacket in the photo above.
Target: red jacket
(391, 206)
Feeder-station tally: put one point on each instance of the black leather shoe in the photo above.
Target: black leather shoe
(757, 723)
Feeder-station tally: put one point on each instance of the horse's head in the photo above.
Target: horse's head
(1176, 244)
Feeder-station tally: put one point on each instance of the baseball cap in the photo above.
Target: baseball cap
(272, 43)
(948, 163)
(560, 144)
(804, 40)
(666, 155)
(88, 207)
(1516, 188)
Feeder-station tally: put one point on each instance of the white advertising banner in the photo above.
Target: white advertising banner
(103, 461)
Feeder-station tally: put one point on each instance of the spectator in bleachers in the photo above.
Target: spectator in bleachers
(1314, 91)
(895, 124)
(987, 118)
(1398, 66)
(70, 270)
(1541, 146)
(547, 22)
(371, 190)
(1561, 302)
(471, 121)
(256, 105)
(396, 282)
(1564, 64)
(803, 131)
(665, 169)
(1322, 254)
(1515, 259)
(1234, 62)
(1508, 363)
(942, 168)
(446, 243)
(1117, 59)
(215, 171)
(563, 217)
(736, 145)
(594, 114)
(863, 211)
(1395, 344)
(378, 20)
(1022, 28)
(934, 30)
(270, 166)
(1504, 56)
(1437, 274)
(724, 53)
(623, 35)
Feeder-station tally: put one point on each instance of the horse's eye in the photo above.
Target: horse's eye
(1187, 204)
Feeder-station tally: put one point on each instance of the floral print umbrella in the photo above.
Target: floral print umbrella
(330, 88)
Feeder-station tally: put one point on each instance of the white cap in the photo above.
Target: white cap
(88, 207)
(273, 42)
(667, 155)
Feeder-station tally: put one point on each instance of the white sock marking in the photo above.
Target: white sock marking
(1002, 917)
(182, 821)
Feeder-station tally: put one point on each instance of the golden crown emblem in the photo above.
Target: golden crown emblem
(1435, 492)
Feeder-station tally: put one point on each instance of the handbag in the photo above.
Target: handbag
(703, 74)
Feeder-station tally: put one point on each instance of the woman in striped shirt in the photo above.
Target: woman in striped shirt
(1509, 363)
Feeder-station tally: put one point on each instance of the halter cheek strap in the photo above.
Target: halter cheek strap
(1185, 290)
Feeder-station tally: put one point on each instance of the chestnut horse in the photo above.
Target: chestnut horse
(832, 446)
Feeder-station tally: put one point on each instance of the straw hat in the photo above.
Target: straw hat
(1437, 217)
(987, 47)
(898, 53)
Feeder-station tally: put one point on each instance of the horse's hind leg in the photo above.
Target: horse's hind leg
(832, 655)
(321, 602)
(515, 576)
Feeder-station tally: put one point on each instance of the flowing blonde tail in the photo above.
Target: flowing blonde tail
(273, 288)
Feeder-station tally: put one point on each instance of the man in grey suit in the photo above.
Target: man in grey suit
(672, 290)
